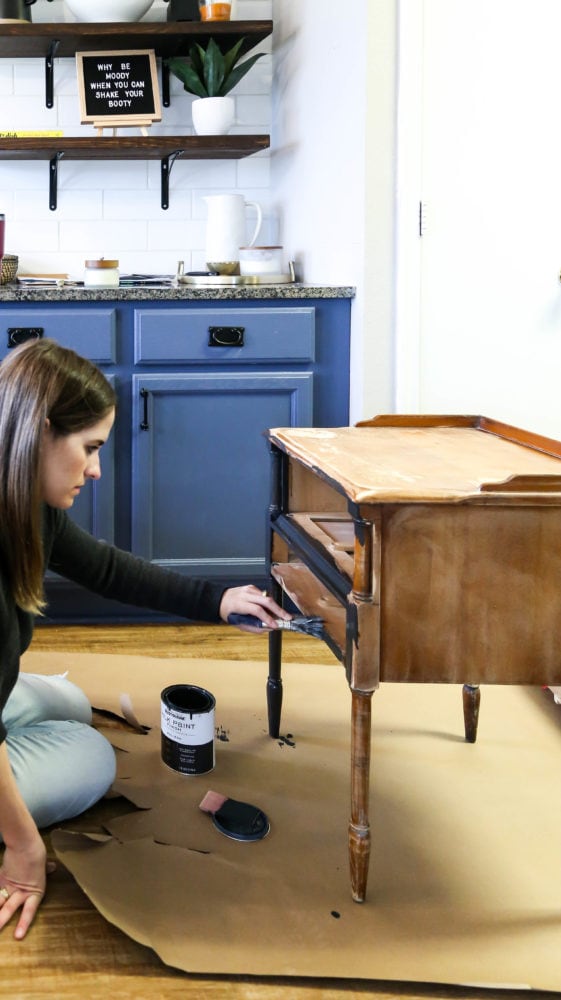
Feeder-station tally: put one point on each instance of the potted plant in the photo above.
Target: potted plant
(210, 75)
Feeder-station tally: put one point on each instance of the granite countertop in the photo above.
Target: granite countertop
(15, 292)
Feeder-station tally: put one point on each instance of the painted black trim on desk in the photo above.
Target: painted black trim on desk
(314, 556)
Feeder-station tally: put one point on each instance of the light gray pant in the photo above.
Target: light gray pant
(61, 764)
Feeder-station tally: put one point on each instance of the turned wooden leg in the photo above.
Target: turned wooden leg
(359, 827)
(274, 682)
(471, 698)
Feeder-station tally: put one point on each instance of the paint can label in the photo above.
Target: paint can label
(187, 723)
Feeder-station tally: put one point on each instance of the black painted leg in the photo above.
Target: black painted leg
(471, 699)
(274, 683)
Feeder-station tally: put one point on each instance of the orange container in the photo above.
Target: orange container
(214, 11)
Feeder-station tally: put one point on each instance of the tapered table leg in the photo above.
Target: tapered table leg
(359, 827)
(471, 698)
(274, 683)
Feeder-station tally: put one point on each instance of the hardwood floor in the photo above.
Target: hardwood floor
(73, 952)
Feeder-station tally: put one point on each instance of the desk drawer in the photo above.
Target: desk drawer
(257, 335)
(90, 332)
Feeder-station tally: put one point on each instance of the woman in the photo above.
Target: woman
(56, 411)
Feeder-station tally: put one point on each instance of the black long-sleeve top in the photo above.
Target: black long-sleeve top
(106, 570)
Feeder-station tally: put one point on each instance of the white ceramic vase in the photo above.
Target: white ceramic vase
(213, 115)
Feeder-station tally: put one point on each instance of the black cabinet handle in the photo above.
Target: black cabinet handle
(19, 334)
(144, 426)
(225, 336)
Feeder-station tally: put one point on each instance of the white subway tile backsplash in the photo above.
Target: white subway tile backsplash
(103, 238)
(124, 205)
(253, 111)
(176, 236)
(94, 197)
(36, 234)
(196, 174)
(34, 205)
(6, 82)
(255, 172)
(117, 175)
(25, 175)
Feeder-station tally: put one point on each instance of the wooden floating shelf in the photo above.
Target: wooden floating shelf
(133, 147)
(166, 148)
(167, 38)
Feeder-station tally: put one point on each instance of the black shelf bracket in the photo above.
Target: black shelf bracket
(165, 84)
(53, 178)
(49, 72)
(167, 164)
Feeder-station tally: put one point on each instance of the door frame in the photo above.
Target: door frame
(409, 125)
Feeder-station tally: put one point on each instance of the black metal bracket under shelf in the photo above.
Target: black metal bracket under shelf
(165, 171)
(166, 165)
(49, 72)
(53, 180)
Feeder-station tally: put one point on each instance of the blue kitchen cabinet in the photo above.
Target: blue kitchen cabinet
(186, 470)
(93, 334)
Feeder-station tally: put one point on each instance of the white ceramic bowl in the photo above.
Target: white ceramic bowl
(108, 10)
(260, 260)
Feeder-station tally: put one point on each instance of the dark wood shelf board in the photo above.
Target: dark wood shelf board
(27, 40)
(134, 147)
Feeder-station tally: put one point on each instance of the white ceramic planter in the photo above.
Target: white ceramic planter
(213, 115)
(108, 10)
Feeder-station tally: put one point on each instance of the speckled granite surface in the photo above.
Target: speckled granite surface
(15, 292)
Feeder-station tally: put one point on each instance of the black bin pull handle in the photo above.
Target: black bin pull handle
(19, 334)
(225, 336)
(144, 425)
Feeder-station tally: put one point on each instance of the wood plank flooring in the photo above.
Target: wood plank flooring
(73, 952)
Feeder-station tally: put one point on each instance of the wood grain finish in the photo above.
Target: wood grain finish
(471, 594)
(171, 38)
(456, 562)
(134, 147)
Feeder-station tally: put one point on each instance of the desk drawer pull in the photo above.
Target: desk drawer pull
(225, 336)
(19, 334)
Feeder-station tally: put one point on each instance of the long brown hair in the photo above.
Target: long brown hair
(39, 380)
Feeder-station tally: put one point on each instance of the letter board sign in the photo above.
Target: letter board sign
(118, 88)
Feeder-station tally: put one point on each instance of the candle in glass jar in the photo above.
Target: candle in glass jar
(211, 11)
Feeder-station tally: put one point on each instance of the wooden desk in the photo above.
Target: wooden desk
(431, 548)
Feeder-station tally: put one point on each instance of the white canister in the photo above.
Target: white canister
(261, 260)
(101, 273)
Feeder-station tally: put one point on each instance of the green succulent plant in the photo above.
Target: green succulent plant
(210, 72)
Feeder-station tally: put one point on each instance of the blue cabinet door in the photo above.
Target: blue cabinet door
(90, 332)
(201, 466)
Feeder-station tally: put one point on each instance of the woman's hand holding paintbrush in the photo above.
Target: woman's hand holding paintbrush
(250, 601)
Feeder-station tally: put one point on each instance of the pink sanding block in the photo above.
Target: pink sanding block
(212, 802)
(237, 820)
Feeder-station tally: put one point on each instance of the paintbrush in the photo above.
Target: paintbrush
(307, 625)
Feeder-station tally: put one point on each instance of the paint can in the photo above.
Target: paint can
(188, 728)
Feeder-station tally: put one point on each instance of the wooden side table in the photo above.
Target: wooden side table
(431, 548)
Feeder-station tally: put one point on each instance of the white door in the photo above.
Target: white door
(488, 339)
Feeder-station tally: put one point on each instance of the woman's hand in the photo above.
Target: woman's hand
(23, 877)
(249, 600)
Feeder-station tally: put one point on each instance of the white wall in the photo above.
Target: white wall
(112, 208)
(333, 173)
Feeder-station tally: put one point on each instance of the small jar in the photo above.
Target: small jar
(211, 11)
(101, 273)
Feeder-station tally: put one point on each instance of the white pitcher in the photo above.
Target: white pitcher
(226, 230)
